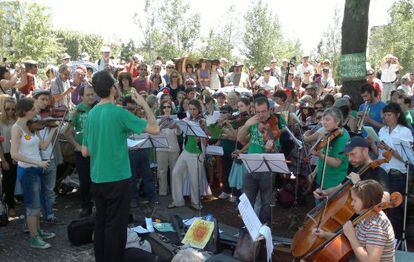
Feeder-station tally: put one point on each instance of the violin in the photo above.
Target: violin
(270, 128)
(37, 125)
(330, 215)
(339, 248)
(239, 120)
(322, 142)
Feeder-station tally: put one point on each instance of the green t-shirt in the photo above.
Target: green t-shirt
(334, 175)
(79, 121)
(105, 136)
(408, 117)
(256, 142)
(191, 146)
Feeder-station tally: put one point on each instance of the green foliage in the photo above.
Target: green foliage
(26, 32)
(128, 50)
(263, 37)
(330, 45)
(76, 43)
(169, 28)
(396, 38)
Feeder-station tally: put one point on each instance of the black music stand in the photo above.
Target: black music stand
(267, 163)
(191, 128)
(407, 154)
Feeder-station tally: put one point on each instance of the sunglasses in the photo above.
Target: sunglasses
(174, 76)
(165, 107)
(170, 67)
(10, 109)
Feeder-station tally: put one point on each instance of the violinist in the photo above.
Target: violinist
(75, 138)
(357, 151)
(333, 168)
(250, 133)
(48, 179)
(372, 239)
(191, 163)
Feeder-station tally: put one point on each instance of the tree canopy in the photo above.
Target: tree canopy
(396, 38)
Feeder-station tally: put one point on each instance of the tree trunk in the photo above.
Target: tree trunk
(354, 40)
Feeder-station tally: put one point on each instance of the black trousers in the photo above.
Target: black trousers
(227, 162)
(396, 214)
(84, 172)
(112, 210)
(9, 181)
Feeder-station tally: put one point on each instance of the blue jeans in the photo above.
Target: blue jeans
(30, 181)
(47, 193)
(140, 165)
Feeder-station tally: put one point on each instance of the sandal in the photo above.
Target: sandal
(172, 205)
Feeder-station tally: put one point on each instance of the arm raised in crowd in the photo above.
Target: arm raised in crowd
(152, 127)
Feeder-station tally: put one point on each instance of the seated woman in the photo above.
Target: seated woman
(25, 148)
(373, 238)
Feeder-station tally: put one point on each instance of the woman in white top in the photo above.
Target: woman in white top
(167, 157)
(392, 135)
(8, 168)
(25, 148)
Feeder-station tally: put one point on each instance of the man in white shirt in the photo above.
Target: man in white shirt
(237, 77)
(305, 66)
(389, 67)
(105, 62)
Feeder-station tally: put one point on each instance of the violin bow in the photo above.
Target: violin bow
(322, 180)
(57, 133)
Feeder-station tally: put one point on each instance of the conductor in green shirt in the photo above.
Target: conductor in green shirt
(105, 141)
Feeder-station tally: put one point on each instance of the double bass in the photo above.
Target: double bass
(329, 216)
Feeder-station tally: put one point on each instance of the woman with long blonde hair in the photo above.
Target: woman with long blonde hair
(8, 168)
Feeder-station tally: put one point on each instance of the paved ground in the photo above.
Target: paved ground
(14, 243)
(14, 247)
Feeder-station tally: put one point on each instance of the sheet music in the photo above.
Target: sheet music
(267, 233)
(249, 217)
(190, 128)
(134, 143)
(147, 141)
(255, 162)
(407, 152)
(214, 150)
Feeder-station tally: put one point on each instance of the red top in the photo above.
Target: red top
(30, 86)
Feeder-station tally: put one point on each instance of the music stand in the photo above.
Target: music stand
(145, 140)
(191, 128)
(266, 163)
(407, 155)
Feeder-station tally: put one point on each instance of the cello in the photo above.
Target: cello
(330, 215)
(338, 248)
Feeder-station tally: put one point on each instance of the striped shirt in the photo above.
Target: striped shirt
(377, 231)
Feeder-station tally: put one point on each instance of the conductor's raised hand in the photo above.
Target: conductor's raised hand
(139, 99)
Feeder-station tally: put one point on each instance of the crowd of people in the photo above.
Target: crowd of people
(303, 98)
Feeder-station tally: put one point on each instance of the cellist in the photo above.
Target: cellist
(372, 239)
(357, 151)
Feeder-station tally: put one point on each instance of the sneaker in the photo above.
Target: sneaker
(224, 195)
(37, 242)
(45, 235)
(197, 207)
(86, 212)
(54, 221)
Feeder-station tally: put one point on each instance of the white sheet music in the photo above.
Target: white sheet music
(214, 150)
(190, 128)
(147, 141)
(267, 233)
(256, 163)
(249, 217)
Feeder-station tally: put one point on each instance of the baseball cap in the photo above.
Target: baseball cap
(355, 141)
